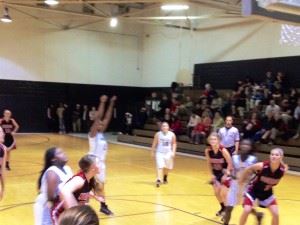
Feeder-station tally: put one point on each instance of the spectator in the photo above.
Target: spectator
(200, 132)
(153, 105)
(51, 118)
(286, 111)
(293, 97)
(128, 123)
(279, 128)
(230, 136)
(264, 133)
(176, 126)
(218, 122)
(209, 92)
(167, 116)
(85, 119)
(297, 119)
(216, 103)
(164, 103)
(61, 118)
(76, 119)
(141, 118)
(174, 106)
(272, 108)
(251, 126)
(193, 121)
(189, 105)
(92, 115)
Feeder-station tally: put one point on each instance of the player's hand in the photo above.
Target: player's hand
(113, 98)
(13, 133)
(212, 180)
(103, 98)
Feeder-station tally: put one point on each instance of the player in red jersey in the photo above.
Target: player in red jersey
(10, 127)
(3, 154)
(219, 163)
(268, 174)
(79, 188)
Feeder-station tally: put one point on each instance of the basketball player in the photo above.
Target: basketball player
(79, 215)
(268, 174)
(10, 127)
(54, 173)
(164, 146)
(80, 187)
(3, 154)
(240, 162)
(219, 164)
(98, 144)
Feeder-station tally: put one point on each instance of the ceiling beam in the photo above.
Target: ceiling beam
(81, 1)
(217, 5)
(99, 11)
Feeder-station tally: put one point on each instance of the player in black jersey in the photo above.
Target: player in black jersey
(10, 127)
(268, 174)
(220, 164)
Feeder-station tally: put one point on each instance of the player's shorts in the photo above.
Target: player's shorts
(250, 198)
(233, 197)
(102, 175)
(9, 142)
(164, 160)
(219, 175)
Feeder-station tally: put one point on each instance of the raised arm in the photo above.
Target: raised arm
(100, 111)
(52, 183)
(109, 112)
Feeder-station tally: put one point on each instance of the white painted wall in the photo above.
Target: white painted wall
(32, 50)
(168, 51)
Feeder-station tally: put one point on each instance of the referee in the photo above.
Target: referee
(230, 137)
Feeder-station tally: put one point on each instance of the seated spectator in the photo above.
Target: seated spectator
(286, 111)
(276, 95)
(164, 103)
(189, 105)
(176, 126)
(174, 106)
(216, 103)
(193, 121)
(264, 133)
(279, 129)
(257, 97)
(209, 92)
(297, 119)
(272, 107)
(153, 105)
(293, 98)
(167, 116)
(218, 122)
(240, 102)
(141, 118)
(201, 131)
(251, 126)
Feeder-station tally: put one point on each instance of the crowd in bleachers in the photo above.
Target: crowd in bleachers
(264, 111)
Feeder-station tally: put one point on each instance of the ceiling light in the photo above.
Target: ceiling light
(6, 17)
(174, 7)
(113, 22)
(51, 2)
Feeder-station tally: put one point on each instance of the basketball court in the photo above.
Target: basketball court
(131, 191)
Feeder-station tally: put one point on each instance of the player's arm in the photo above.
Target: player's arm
(16, 125)
(208, 162)
(237, 142)
(228, 160)
(250, 170)
(2, 176)
(68, 189)
(98, 192)
(109, 112)
(98, 115)
(52, 183)
(174, 145)
(154, 144)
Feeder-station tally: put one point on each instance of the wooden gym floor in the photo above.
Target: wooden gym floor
(131, 194)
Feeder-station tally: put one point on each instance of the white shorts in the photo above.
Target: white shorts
(42, 214)
(164, 160)
(102, 175)
(233, 196)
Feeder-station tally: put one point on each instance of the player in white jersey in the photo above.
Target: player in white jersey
(54, 174)
(98, 144)
(240, 162)
(164, 146)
